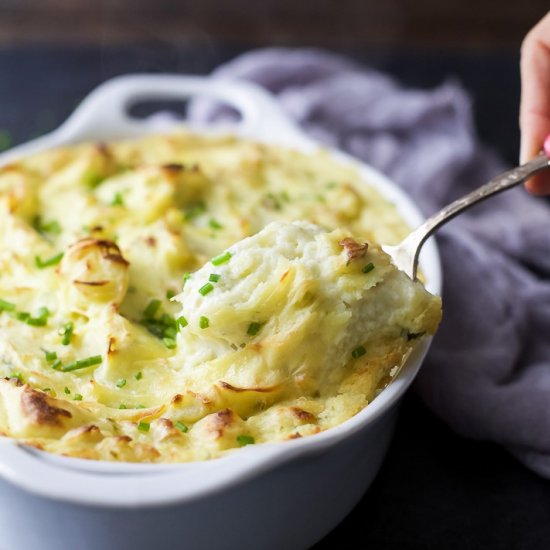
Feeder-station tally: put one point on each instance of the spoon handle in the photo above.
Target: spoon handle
(411, 246)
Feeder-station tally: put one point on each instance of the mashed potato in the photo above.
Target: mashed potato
(283, 328)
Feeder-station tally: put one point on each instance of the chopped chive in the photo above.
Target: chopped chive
(205, 289)
(168, 320)
(6, 306)
(215, 224)
(50, 355)
(369, 267)
(77, 397)
(204, 322)
(37, 321)
(67, 390)
(151, 309)
(122, 406)
(139, 407)
(181, 426)
(120, 383)
(52, 227)
(56, 364)
(40, 320)
(214, 277)
(221, 258)
(170, 343)
(170, 332)
(143, 426)
(43, 312)
(253, 329)
(182, 321)
(358, 352)
(118, 200)
(170, 294)
(243, 440)
(23, 316)
(138, 375)
(92, 179)
(48, 262)
(46, 389)
(82, 363)
(194, 211)
(66, 331)
(186, 277)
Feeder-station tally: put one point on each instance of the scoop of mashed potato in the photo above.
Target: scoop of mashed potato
(295, 311)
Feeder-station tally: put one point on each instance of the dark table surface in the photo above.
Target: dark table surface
(436, 490)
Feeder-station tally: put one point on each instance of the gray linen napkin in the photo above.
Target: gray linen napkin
(488, 372)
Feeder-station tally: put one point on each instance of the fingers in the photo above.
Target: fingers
(535, 99)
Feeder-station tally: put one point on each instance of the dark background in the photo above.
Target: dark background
(436, 490)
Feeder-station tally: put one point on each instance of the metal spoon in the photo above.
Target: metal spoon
(405, 254)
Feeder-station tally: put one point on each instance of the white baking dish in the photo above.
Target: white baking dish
(284, 495)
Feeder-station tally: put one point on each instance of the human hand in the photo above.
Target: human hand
(534, 119)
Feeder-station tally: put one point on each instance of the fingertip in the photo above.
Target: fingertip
(539, 185)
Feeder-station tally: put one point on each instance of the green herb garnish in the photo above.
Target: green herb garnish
(182, 322)
(215, 224)
(181, 426)
(204, 322)
(214, 277)
(23, 316)
(205, 289)
(120, 383)
(40, 320)
(48, 262)
(253, 329)
(152, 309)
(170, 294)
(66, 333)
(243, 440)
(77, 397)
(42, 227)
(82, 363)
(50, 355)
(221, 258)
(56, 364)
(194, 211)
(122, 406)
(92, 179)
(369, 267)
(6, 306)
(138, 375)
(67, 390)
(143, 426)
(118, 200)
(358, 352)
(170, 343)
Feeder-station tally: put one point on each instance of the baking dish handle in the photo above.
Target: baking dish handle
(105, 110)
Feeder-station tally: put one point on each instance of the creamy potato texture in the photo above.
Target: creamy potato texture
(160, 302)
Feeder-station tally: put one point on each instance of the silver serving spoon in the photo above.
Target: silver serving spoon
(405, 254)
